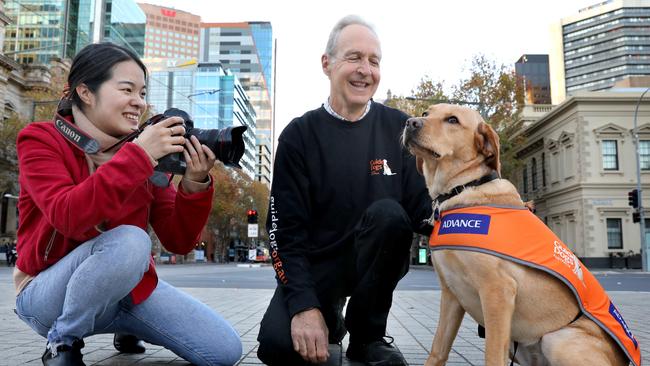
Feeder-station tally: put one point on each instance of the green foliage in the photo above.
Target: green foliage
(493, 89)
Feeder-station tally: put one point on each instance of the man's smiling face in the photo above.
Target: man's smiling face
(354, 69)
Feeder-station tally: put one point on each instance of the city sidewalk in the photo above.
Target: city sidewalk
(412, 323)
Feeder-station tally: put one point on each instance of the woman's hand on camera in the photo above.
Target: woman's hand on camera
(163, 138)
(199, 158)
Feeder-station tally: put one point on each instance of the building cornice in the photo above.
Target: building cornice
(9, 63)
(530, 148)
(582, 97)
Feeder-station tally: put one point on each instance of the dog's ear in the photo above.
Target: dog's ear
(487, 144)
(418, 164)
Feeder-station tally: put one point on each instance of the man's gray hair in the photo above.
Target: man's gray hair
(333, 40)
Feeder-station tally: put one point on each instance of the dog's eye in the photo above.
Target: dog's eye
(452, 119)
(425, 113)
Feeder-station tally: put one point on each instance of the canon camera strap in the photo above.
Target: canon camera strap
(73, 134)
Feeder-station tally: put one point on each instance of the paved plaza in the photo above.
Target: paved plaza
(412, 323)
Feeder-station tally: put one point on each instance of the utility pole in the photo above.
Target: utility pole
(644, 245)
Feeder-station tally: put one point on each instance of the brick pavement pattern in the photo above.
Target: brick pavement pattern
(412, 323)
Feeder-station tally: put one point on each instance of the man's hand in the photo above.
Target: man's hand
(310, 335)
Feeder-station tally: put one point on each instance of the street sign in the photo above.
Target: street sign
(252, 230)
(252, 253)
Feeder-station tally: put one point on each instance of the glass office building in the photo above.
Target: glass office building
(43, 29)
(212, 95)
(246, 49)
(263, 37)
(124, 24)
(532, 74)
(600, 46)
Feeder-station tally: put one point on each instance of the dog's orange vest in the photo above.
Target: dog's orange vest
(518, 235)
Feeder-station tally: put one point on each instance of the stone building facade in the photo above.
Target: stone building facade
(579, 164)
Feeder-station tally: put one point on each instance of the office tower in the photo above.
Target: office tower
(532, 73)
(171, 33)
(246, 49)
(42, 30)
(599, 46)
(212, 95)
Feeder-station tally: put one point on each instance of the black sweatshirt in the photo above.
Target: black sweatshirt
(326, 173)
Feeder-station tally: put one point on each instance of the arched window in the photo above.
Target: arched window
(533, 168)
(525, 178)
(543, 171)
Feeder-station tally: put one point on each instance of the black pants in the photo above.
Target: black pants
(367, 270)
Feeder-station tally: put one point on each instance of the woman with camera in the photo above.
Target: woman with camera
(84, 264)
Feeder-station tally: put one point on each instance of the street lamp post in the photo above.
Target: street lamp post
(644, 244)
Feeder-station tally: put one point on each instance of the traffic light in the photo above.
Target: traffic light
(633, 198)
(636, 217)
(252, 216)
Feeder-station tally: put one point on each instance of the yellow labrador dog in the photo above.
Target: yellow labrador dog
(515, 303)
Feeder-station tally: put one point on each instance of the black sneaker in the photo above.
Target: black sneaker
(64, 355)
(376, 353)
(127, 343)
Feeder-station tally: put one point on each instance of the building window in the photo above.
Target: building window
(644, 154)
(525, 178)
(610, 155)
(614, 234)
(533, 168)
(543, 171)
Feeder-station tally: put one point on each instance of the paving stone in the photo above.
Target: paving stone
(412, 322)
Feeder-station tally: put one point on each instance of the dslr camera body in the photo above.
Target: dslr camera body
(227, 144)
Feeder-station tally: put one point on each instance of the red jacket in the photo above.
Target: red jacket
(60, 203)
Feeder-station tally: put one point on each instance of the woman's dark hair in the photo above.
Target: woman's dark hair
(93, 65)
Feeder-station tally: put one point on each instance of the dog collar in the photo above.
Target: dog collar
(458, 189)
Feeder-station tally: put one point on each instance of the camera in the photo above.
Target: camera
(227, 144)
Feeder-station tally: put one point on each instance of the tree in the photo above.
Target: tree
(493, 88)
(9, 129)
(425, 93)
(235, 193)
(501, 100)
(44, 105)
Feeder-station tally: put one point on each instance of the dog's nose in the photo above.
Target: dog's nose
(413, 123)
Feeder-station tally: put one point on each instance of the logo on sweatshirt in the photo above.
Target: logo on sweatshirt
(380, 167)
(464, 224)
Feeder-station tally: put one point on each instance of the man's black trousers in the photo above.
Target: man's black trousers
(367, 270)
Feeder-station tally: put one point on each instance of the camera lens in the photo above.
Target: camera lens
(227, 144)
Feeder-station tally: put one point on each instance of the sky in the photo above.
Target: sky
(418, 38)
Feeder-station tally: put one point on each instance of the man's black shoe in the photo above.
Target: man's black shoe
(64, 355)
(377, 353)
(127, 343)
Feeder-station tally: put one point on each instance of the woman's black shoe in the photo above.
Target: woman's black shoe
(64, 355)
(127, 343)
